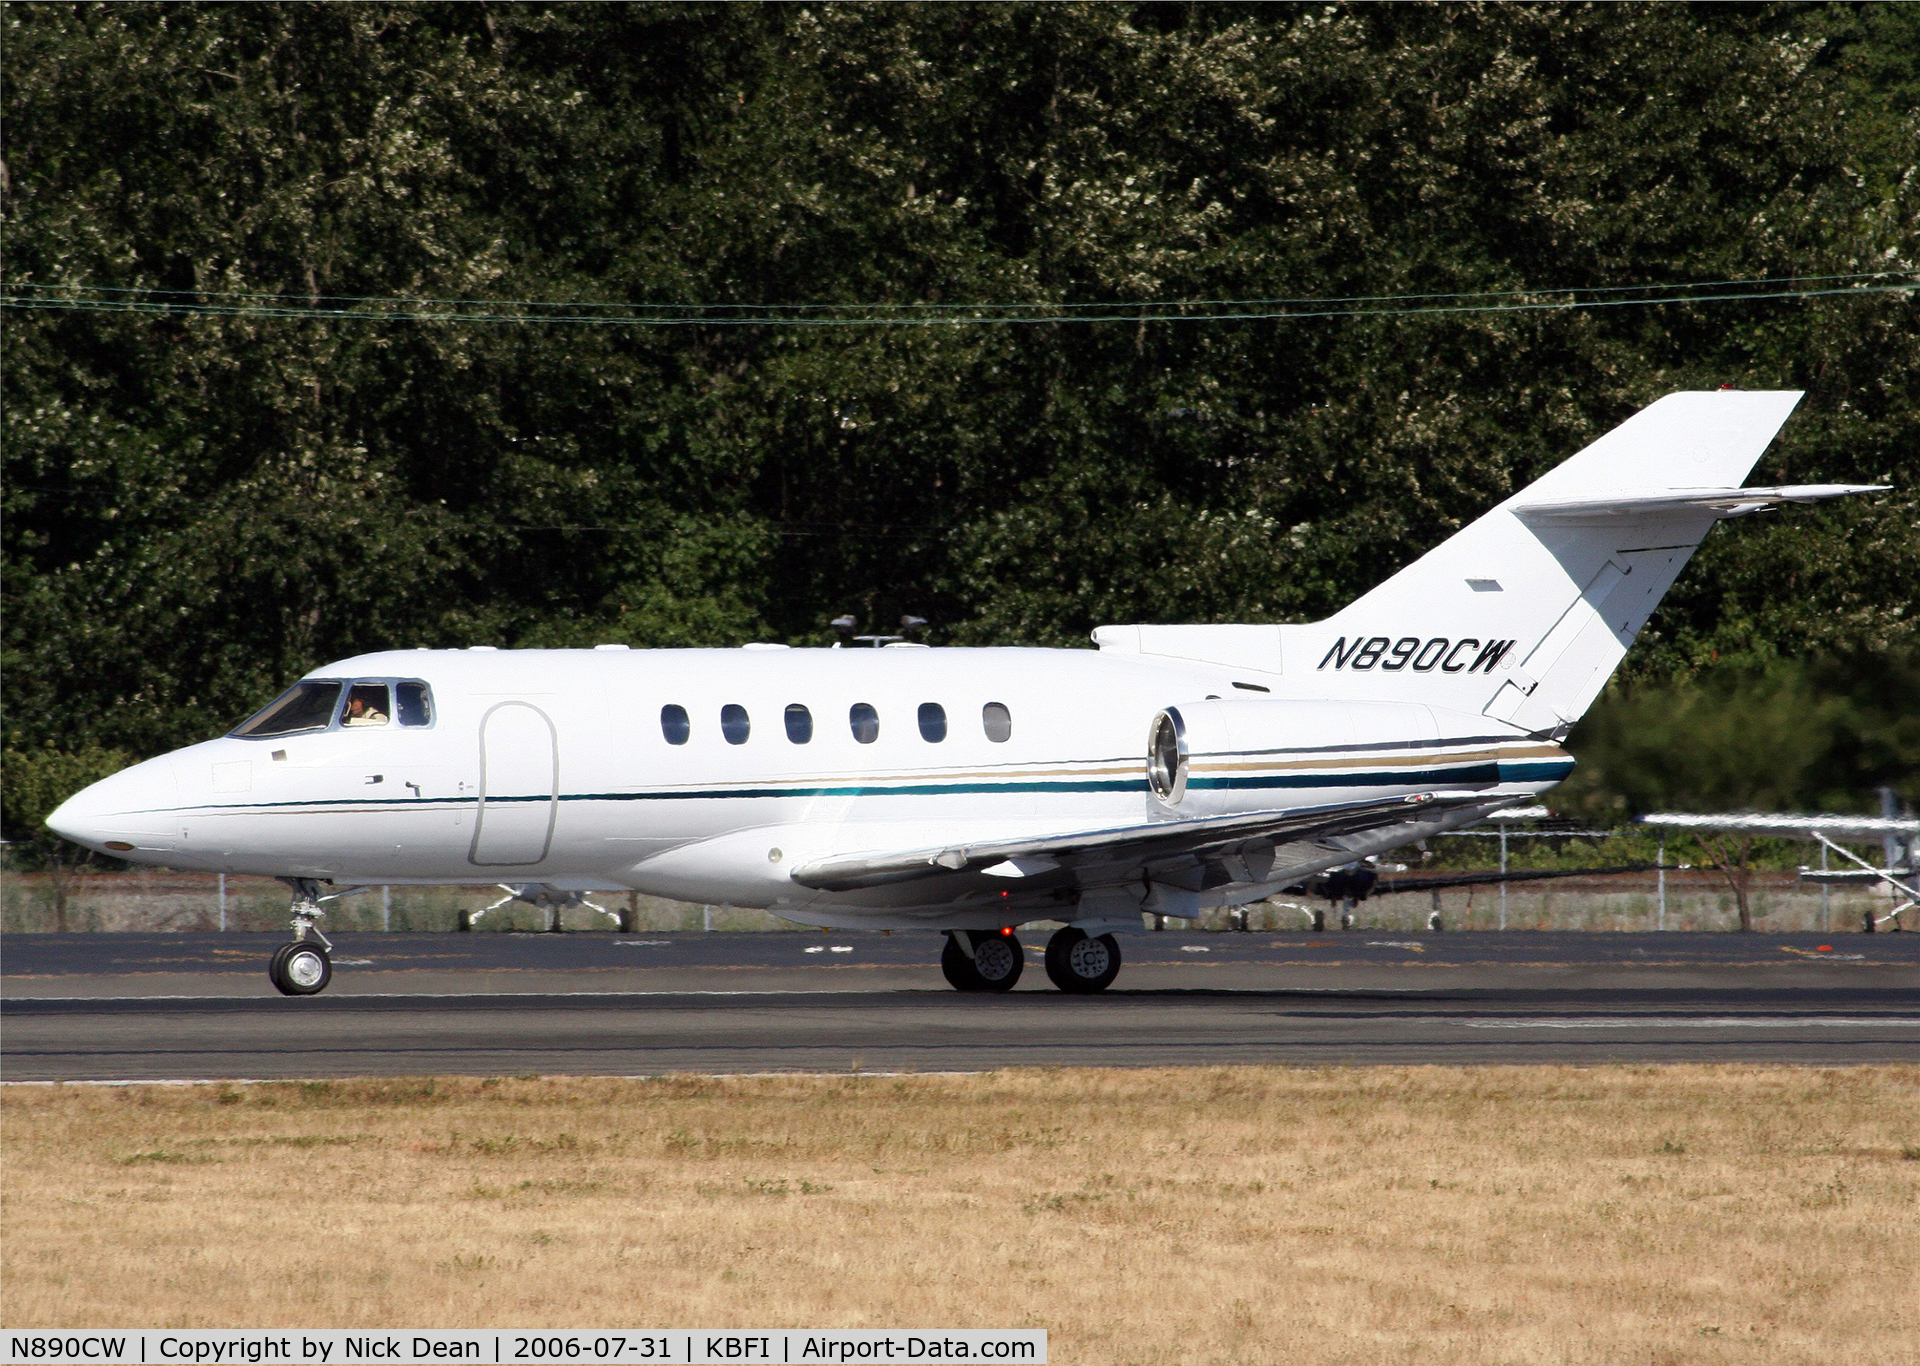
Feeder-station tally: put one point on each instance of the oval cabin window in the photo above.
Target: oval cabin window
(674, 724)
(933, 722)
(734, 723)
(865, 722)
(799, 723)
(997, 721)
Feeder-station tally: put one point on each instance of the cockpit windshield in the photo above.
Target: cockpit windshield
(305, 706)
(324, 704)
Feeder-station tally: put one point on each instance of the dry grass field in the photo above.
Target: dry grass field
(1438, 1215)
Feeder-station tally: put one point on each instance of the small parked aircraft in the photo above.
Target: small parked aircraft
(1899, 838)
(969, 791)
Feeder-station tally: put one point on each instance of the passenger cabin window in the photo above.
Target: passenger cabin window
(674, 723)
(734, 723)
(415, 704)
(367, 705)
(799, 723)
(865, 722)
(933, 722)
(304, 706)
(997, 721)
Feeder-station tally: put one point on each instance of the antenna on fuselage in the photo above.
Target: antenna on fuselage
(845, 626)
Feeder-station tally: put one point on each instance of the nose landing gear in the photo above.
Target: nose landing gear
(302, 968)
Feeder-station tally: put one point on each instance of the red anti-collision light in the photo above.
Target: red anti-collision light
(1006, 929)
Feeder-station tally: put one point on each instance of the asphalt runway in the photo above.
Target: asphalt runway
(113, 1007)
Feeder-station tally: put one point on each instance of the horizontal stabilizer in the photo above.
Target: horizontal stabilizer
(1715, 502)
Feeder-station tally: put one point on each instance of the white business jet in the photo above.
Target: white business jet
(969, 791)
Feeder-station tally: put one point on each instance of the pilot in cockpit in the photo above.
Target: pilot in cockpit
(366, 707)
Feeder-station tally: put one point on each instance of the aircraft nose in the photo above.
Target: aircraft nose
(128, 812)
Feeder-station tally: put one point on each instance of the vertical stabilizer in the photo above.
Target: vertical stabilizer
(1524, 614)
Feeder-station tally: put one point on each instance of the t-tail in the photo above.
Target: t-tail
(1524, 614)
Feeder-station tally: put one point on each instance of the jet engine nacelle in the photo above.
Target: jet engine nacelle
(1227, 755)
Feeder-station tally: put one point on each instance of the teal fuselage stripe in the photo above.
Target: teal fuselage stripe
(882, 790)
(1551, 772)
(1470, 773)
(1484, 774)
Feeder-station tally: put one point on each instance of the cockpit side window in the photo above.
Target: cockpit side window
(367, 705)
(415, 704)
(307, 705)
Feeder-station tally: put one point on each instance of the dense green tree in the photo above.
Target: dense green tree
(202, 504)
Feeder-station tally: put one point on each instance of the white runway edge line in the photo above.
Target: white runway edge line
(467, 995)
(1702, 1022)
(631, 1346)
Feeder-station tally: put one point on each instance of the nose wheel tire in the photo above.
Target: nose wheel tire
(1080, 963)
(993, 965)
(301, 968)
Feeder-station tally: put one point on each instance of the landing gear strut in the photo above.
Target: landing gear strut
(303, 968)
(974, 961)
(1080, 963)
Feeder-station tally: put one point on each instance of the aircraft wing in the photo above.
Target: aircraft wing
(1142, 842)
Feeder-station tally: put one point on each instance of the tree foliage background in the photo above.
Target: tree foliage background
(200, 506)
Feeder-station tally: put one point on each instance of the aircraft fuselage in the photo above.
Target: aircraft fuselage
(573, 769)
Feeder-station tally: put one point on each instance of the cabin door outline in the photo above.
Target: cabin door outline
(519, 755)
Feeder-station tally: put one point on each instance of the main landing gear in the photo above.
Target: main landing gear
(1080, 963)
(303, 968)
(1077, 962)
(982, 961)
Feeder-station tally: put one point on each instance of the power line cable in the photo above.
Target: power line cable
(314, 300)
(989, 315)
